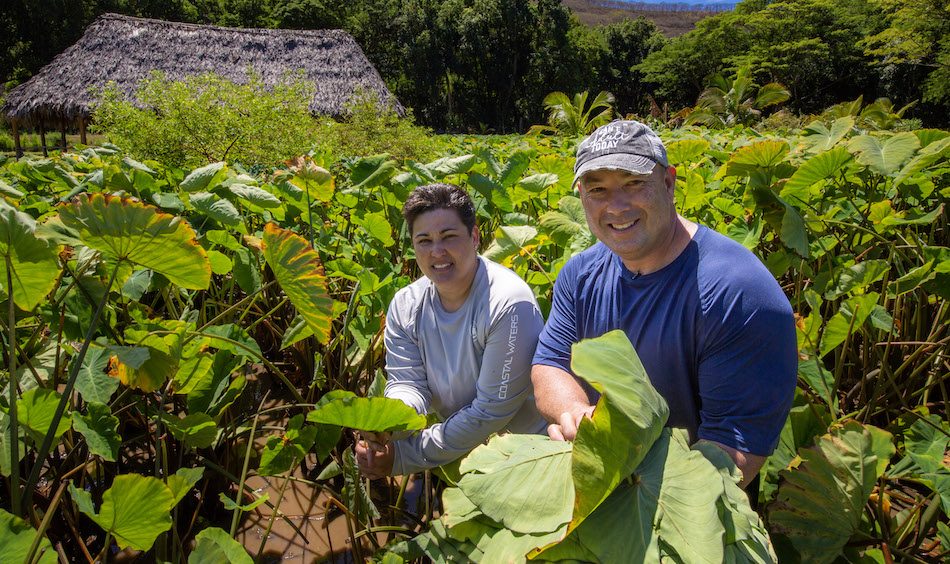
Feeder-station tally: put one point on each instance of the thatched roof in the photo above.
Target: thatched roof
(124, 50)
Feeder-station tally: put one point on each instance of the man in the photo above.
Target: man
(458, 342)
(711, 325)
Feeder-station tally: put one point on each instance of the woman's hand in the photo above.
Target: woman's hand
(374, 455)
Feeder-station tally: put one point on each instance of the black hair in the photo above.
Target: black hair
(439, 196)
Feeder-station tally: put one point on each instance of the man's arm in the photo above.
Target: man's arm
(562, 399)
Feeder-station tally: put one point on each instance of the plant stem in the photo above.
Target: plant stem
(44, 449)
(47, 519)
(247, 459)
(14, 385)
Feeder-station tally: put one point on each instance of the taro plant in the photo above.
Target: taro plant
(626, 488)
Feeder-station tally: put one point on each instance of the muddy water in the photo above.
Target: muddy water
(323, 537)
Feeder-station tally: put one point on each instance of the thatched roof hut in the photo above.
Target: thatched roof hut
(124, 50)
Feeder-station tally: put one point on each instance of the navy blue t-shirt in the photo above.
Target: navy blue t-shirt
(713, 329)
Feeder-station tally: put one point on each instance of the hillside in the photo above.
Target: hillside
(672, 19)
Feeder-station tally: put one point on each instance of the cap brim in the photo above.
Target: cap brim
(636, 164)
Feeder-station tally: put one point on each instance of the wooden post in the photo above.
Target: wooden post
(62, 130)
(82, 129)
(16, 140)
(43, 136)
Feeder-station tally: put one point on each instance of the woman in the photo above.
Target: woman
(459, 342)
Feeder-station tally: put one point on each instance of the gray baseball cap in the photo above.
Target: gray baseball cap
(620, 145)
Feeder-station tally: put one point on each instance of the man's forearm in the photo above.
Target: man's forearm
(748, 464)
(556, 391)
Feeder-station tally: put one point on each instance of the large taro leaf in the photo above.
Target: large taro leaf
(443, 549)
(36, 409)
(627, 420)
(136, 509)
(16, 537)
(815, 169)
(819, 138)
(783, 218)
(567, 222)
(298, 270)
(368, 414)
(669, 506)
(466, 523)
(821, 498)
(33, 262)
(126, 230)
(746, 539)
(887, 157)
(521, 481)
(764, 154)
(686, 150)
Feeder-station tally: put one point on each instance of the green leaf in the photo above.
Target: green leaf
(195, 430)
(247, 271)
(368, 414)
(127, 230)
(926, 444)
(220, 263)
(92, 382)
(814, 170)
(746, 235)
(764, 154)
(629, 417)
(536, 183)
(927, 156)
(850, 317)
(33, 263)
(858, 277)
(257, 196)
(819, 138)
(510, 241)
(819, 380)
(230, 504)
(36, 409)
(280, 452)
(377, 226)
(448, 166)
(215, 546)
(216, 208)
(821, 498)
(205, 178)
(136, 509)
(16, 539)
(674, 494)
(687, 150)
(567, 221)
(372, 171)
(181, 482)
(784, 218)
(100, 429)
(297, 268)
(521, 481)
(886, 157)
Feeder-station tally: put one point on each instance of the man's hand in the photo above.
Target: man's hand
(374, 455)
(567, 423)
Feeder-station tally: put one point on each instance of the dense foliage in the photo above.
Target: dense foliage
(152, 311)
(481, 65)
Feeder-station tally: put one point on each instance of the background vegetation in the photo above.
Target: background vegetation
(479, 65)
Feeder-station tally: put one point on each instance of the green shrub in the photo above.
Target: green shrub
(208, 118)
(367, 130)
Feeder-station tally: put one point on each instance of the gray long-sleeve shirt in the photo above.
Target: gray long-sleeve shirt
(471, 367)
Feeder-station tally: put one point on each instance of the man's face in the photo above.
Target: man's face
(633, 214)
(446, 252)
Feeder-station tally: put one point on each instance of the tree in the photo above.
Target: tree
(918, 34)
(733, 101)
(574, 117)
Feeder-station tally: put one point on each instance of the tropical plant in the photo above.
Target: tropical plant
(734, 101)
(879, 114)
(573, 117)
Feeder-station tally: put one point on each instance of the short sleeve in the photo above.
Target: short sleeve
(748, 363)
(560, 330)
